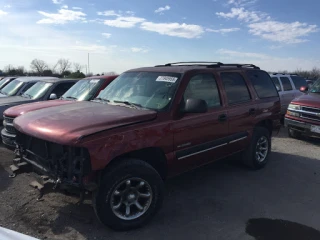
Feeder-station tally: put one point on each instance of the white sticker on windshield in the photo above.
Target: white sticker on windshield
(94, 80)
(167, 79)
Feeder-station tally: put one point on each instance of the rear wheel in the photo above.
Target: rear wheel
(129, 195)
(293, 133)
(256, 155)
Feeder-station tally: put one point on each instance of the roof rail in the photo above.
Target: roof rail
(208, 64)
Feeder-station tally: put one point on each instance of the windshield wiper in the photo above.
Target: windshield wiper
(101, 99)
(69, 97)
(135, 105)
(26, 95)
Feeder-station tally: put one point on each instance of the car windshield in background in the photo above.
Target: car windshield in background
(2, 82)
(12, 88)
(315, 88)
(37, 90)
(299, 82)
(83, 90)
(152, 90)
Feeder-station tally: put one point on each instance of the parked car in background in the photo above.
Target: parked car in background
(5, 81)
(303, 115)
(147, 125)
(310, 82)
(19, 85)
(288, 86)
(84, 90)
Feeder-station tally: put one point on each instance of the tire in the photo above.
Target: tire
(114, 189)
(250, 157)
(293, 133)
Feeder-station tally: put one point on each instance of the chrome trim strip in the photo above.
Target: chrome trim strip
(237, 140)
(189, 155)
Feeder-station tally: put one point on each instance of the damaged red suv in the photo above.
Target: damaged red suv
(147, 125)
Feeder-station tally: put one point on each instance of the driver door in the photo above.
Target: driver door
(199, 137)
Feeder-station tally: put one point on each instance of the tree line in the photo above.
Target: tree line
(63, 68)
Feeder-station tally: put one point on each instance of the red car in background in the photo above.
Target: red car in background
(84, 90)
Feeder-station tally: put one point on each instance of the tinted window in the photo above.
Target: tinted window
(203, 86)
(263, 84)
(315, 88)
(299, 82)
(235, 87)
(286, 84)
(61, 88)
(277, 83)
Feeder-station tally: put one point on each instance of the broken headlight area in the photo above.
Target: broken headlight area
(67, 165)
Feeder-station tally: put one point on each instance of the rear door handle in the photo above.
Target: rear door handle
(252, 111)
(223, 117)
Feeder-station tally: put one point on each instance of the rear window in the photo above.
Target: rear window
(276, 82)
(263, 84)
(299, 82)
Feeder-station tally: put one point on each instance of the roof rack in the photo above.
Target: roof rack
(290, 74)
(208, 64)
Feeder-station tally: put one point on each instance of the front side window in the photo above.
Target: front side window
(203, 86)
(83, 90)
(315, 88)
(263, 84)
(3, 82)
(299, 82)
(62, 88)
(286, 84)
(153, 90)
(38, 90)
(235, 87)
(12, 88)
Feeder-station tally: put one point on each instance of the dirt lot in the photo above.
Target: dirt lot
(221, 201)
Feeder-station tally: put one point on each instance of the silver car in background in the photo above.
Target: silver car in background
(288, 86)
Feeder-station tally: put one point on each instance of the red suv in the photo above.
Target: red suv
(303, 114)
(147, 125)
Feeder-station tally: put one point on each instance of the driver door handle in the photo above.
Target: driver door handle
(223, 117)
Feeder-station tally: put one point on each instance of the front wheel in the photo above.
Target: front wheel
(129, 195)
(256, 155)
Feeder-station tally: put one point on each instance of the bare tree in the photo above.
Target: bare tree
(8, 68)
(38, 65)
(77, 67)
(20, 70)
(63, 65)
(109, 73)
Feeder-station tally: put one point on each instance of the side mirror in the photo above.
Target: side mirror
(303, 89)
(195, 106)
(53, 96)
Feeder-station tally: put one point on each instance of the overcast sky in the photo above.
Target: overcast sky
(119, 35)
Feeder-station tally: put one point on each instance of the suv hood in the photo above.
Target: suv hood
(309, 99)
(24, 108)
(68, 123)
(13, 100)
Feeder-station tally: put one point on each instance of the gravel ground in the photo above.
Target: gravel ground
(221, 201)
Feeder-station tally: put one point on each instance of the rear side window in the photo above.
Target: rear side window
(235, 87)
(203, 86)
(276, 82)
(286, 84)
(263, 84)
(299, 82)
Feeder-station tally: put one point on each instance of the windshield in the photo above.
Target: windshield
(153, 90)
(12, 88)
(37, 90)
(83, 90)
(315, 88)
